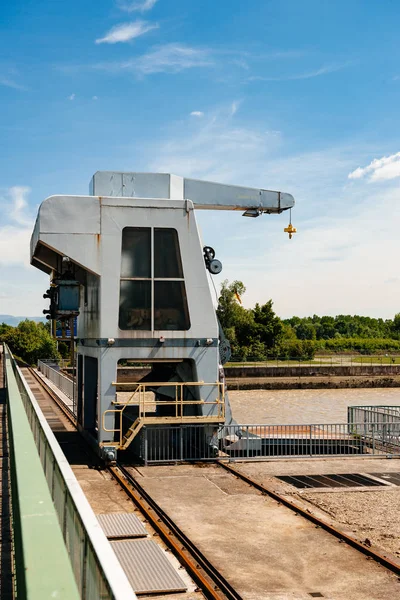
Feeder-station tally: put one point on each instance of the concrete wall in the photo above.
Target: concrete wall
(312, 371)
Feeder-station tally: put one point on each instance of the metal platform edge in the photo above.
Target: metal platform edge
(108, 564)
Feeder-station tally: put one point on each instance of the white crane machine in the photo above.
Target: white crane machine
(128, 260)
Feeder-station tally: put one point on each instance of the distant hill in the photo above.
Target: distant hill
(11, 320)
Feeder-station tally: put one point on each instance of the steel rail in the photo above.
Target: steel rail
(382, 559)
(65, 409)
(213, 585)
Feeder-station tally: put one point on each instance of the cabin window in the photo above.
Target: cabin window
(152, 288)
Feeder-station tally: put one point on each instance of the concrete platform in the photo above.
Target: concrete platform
(261, 547)
(367, 513)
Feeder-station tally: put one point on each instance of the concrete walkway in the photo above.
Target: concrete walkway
(263, 548)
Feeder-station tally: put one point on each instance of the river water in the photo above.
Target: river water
(305, 406)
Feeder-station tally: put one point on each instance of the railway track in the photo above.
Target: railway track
(382, 559)
(206, 576)
(209, 580)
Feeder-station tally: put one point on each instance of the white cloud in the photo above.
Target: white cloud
(126, 32)
(170, 58)
(9, 82)
(380, 169)
(143, 6)
(234, 108)
(21, 285)
(197, 113)
(216, 148)
(306, 75)
(14, 245)
(19, 211)
(16, 233)
(346, 247)
(71, 97)
(9, 77)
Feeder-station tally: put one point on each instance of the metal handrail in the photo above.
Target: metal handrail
(90, 558)
(179, 402)
(36, 527)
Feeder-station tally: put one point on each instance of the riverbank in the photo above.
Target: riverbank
(313, 382)
(292, 378)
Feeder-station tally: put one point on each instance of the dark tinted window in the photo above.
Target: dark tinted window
(170, 306)
(167, 256)
(136, 252)
(135, 305)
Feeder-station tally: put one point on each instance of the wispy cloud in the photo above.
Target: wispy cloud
(324, 70)
(328, 247)
(169, 58)
(15, 234)
(7, 82)
(216, 147)
(18, 205)
(9, 78)
(143, 6)
(380, 169)
(234, 107)
(71, 97)
(197, 113)
(125, 32)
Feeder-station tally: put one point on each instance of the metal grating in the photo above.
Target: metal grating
(147, 567)
(121, 525)
(330, 481)
(393, 478)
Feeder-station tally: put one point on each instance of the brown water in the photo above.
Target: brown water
(305, 406)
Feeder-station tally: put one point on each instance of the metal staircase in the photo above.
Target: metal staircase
(138, 399)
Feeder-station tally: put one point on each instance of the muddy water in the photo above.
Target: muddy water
(305, 406)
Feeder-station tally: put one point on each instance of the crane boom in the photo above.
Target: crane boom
(204, 194)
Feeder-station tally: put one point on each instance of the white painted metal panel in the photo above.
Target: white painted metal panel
(70, 214)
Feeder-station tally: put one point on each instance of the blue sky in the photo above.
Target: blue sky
(300, 96)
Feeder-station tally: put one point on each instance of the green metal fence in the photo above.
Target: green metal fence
(43, 568)
(61, 550)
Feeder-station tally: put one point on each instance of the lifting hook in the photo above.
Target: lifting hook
(290, 229)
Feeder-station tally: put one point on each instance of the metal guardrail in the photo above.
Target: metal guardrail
(385, 418)
(63, 536)
(167, 443)
(65, 384)
(144, 399)
(43, 568)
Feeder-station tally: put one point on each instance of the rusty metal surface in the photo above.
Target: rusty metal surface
(147, 567)
(121, 525)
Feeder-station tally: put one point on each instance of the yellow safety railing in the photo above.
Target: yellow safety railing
(138, 398)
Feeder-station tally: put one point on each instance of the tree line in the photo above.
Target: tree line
(29, 341)
(254, 333)
(258, 333)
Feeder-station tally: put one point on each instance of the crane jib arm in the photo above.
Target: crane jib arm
(204, 194)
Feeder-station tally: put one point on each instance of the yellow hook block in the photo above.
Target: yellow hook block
(290, 230)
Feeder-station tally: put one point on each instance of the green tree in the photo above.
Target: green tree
(396, 325)
(269, 327)
(31, 341)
